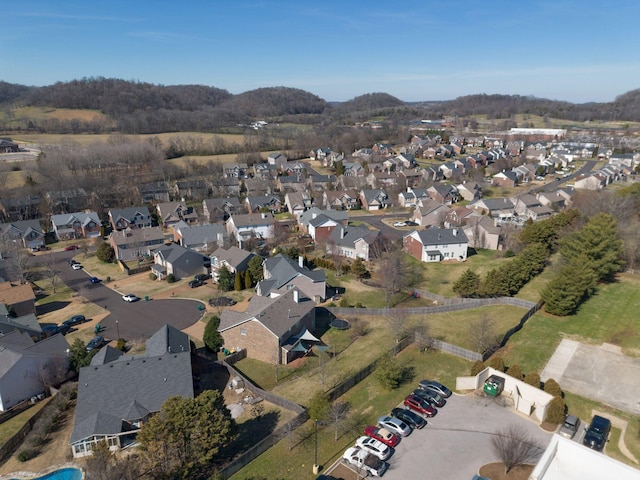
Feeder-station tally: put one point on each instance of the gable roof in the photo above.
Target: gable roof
(84, 218)
(283, 269)
(175, 254)
(234, 256)
(277, 314)
(144, 383)
(249, 220)
(439, 236)
(349, 235)
(201, 234)
(128, 213)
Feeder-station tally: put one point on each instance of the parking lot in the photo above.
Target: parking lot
(456, 442)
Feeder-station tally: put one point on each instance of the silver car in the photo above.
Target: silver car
(570, 426)
(394, 425)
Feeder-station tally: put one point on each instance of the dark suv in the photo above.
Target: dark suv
(202, 277)
(597, 433)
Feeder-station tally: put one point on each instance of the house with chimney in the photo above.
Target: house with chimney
(271, 328)
(282, 274)
(251, 225)
(352, 242)
(76, 225)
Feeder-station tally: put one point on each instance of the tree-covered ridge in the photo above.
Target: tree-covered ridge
(275, 101)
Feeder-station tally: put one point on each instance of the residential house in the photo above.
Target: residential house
(297, 202)
(470, 191)
(65, 201)
(383, 149)
(506, 178)
(178, 261)
(525, 173)
(350, 183)
(407, 199)
(320, 183)
(353, 169)
(281, 274)
(458, 216)
(252, 225)
(365, 154)
(144, 383)
(332, 158)
(27, 233)
(340, 199)
(593, 181)
(265, 171)
(278, 160)
(314, 220)
(352, 242)
(20, 208)
(153, 192)
(28, 368)
(234, 258)
(135, 243)
(25, 323)
(256, 204)
(7, 146)
(170, 213)
(257, 187)
(320, 154)
(76, 225)
(374, 199)
(129, 218)
(443, 193)
(436, 244)
(410, 177)
(235, 170)
(430, 213)
(382, 179)
(553, 200)
(482, 232)
(18, 298)
(529, 206)
(406, 161)
(193, 189)
(224, 187)
(295, 168)
(500, 209)
(218, 209)
(292, 183)
(270, 328)
(201, 238)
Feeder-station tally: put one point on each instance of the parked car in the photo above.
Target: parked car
(202, 277)
(394, 425)
(375, 447)
(409, 417)
(430, 396)
(382, 434)
(570, 426)
(222, 302)
(436, 387)
(364, 461)
(400, 224)
(130, 297)
(419, 405)
(195, 283)
(76, 266)
(68, 248)
(64, 328)
(94, 280)
(75, 320)
(49, 330)
(597, 433)
(72, 262)
(95, 343)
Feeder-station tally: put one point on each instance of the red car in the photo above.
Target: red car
(71, 247)
(419, 405)
(382, 434)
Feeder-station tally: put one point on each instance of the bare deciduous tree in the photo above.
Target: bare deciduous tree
(514, 446)
(337, 414)
(396, 319)
(483, 334)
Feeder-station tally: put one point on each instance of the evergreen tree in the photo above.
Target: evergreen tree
(238, 281)
(358, 268)
(254, 267)
(597, 243)
(212, 338)
(564, 292)
(467, 285)
(225, 279)
(247, 280)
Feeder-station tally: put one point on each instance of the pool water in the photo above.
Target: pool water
(62, 474)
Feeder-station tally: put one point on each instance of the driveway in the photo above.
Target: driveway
(457, 441)
(137, 320)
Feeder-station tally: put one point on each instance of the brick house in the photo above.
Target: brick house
(76, 225)
(270, 327)
(436, 244)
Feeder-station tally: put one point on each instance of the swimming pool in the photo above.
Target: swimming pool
(62, 474)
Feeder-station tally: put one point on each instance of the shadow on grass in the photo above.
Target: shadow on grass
(50, 307)
(250, 433)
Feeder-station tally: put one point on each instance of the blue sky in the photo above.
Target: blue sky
(574, 50)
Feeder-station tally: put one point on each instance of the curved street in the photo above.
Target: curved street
(137, 320)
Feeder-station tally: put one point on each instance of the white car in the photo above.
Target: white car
(374, 447)
(400, 224)
(130, 297)
(394, 425)
(77, 266)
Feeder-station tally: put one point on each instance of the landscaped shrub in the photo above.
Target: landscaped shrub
(515, 372)
(121, 345)
(497, 363)
(532, 379)
(152, 276)
(553, 388)
(25, 455)
(344, 302)
(477, 367)
(555, 411)
(171, 278)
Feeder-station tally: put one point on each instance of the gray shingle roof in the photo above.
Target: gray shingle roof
(283, 269)
(128, 389)
(441, 236)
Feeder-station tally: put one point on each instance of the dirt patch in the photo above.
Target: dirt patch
(496, 471)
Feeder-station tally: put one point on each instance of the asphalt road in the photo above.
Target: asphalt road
(137, 320)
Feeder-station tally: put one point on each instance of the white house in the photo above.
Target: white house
(436, 244)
